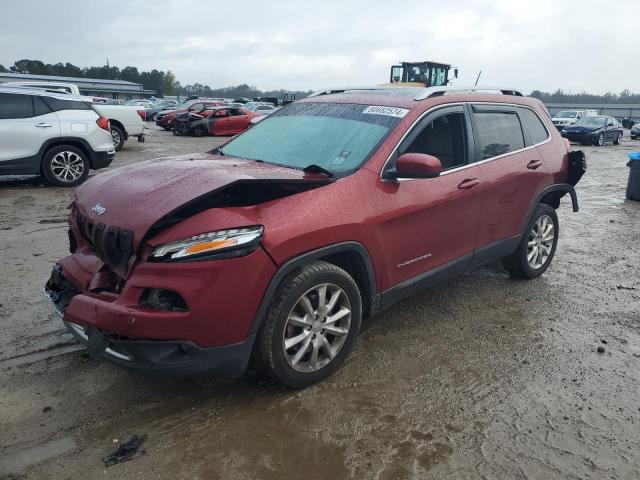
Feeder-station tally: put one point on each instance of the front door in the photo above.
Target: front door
(432, 222)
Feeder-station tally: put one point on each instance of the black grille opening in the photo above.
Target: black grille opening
(111, 244)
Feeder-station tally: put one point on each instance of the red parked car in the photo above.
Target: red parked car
(230, 120)
(274, 247)
(167, 118)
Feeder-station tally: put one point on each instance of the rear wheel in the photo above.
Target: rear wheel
(65, 166)
(118, 137)
(537, 247)
(311, 325)
(154, 117)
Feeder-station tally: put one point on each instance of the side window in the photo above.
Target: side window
(39, 107)
(235, 112)
(15, 106)
(498, 133)
(197, 107)
(221, 113)
(532, 125)
(444, 138)
(56, 104)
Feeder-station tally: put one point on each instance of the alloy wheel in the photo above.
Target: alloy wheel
(317, 327)
(601, 140)
(116, 137)
(540, 242)
(67, 166)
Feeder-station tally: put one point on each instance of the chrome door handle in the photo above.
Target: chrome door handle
(43, 125)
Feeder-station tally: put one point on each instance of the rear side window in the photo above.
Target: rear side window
(533, 126)
(56, 104)
(39, 107)
(498, 133)
(15, 106)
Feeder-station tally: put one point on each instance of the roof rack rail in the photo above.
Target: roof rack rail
(328, 91)
(430, 92)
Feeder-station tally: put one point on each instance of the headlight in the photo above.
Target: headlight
(237, 239)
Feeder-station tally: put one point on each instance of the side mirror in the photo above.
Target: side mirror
(417, 165)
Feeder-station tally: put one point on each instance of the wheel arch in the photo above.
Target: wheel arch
(551, 196)
(120, 126)
(79, 143)
(352, 257)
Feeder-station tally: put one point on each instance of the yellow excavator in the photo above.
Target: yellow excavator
(420, 74)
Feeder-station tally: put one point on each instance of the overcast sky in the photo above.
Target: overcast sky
(589, 45)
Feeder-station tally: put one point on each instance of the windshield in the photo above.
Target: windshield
(566, 114)
(591, 121)
(336, 137)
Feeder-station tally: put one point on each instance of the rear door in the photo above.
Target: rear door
(512, 168)
(26, 122)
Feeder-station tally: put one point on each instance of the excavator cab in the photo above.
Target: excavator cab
(424, 74)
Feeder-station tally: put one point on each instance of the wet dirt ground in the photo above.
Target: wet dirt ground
(480, 377)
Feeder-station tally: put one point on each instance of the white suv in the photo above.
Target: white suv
(51, 134)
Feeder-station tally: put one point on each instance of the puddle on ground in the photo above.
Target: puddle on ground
(14, 463)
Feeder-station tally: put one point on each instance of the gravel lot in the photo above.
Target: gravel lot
(480, 377)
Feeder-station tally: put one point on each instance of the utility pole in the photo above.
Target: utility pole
(107, 68)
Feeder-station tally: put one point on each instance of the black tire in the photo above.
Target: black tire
(600, 141)
(55, 174)
(167, 128)
(118, 137)
(154, 117)
(199, 131)
(517, 263)
(617, 140)
(269, 353)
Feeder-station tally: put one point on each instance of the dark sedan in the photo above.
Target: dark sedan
(152, 112)
(635, 131)
(594, 130)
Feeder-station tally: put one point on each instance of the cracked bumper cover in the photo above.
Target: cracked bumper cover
(212, 338)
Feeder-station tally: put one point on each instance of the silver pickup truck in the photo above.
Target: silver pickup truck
(125, 120)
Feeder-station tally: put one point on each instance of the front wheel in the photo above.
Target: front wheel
(65, 166)
(537, 247)
(311, 325)
(600, 141)
(618, 138)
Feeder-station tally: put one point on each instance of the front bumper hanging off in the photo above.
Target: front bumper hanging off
(173, 358)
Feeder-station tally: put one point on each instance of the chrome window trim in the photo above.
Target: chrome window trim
(457, 169)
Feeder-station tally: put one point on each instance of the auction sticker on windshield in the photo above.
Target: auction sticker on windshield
(388, 111)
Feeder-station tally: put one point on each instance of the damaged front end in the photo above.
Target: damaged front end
(136, 291)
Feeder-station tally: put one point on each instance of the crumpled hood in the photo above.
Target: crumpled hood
(136, 197)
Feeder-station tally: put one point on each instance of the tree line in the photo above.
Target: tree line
(560, 96)
(163, 83)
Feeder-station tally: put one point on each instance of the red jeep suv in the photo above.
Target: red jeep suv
(275, 246)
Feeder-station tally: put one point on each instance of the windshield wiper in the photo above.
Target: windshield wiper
(313, 168)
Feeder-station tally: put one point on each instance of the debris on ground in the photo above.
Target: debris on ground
(600, 349)
(125, 451)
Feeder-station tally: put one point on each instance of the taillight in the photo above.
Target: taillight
(103, 123)
(143, 115)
